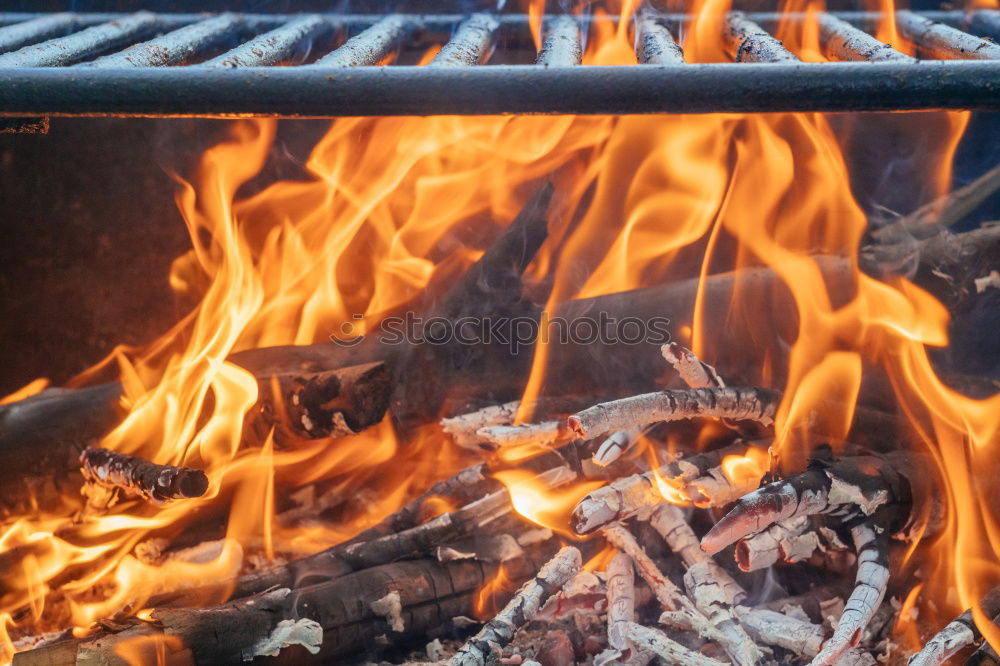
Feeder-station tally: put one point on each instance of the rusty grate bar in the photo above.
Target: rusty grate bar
(175, 47)
(79, 46)
(942, 41)
(370, 46)
(842, 41)
(562, 46)
(294, 65)
(13, 37)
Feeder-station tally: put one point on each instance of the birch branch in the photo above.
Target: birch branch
(755, 404)
(958, 634)
(766, 626)
(486, 646)
(621, 601)
(666, 648)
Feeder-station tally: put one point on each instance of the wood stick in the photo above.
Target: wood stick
(156, 483)
(666, 648)
(754, 404)
(694, 372)
(621, 601)
(464, 428)
(958, 634)
(546, 433)
(486, 646)
(791, 540)
(639, 494)
(944, 212)
(714, 591)
(766, 626)
(869, 589)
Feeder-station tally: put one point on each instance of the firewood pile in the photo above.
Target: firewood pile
(673, 555)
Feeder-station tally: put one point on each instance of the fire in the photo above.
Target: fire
(746, 469)
(485, 604)
(393, 208)
(542, 504)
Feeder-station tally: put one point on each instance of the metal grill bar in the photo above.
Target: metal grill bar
(751, 43)
(470, 44)
(842, 41)
(562, 43)
(369, 47)
(15, 36)
(245, 81)
(81, 45)
(273, 47)
(943, 41)
(174, 47)
(654, 45)
(367, 91)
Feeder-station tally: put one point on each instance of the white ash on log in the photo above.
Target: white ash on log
(791, 540)
(753, 404)
(546, 433)
(153, 482)
(958, 634)
(463, 428)
(485, 648)
(666, 648)
(713, 590)
(621, 601)
(858, 485)
(681, 611)
(793, 634)
(616, 445)
(692, 371)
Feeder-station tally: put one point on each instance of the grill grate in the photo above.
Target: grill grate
(315, 65)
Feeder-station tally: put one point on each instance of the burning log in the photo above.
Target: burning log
(755, 404)
(958, 634)
(872, 494)
(640, 493)
(431, 594)
(353, 555)
(486, 646)
(331, 403)
(156, 483)
(866, 483)
(464, 428)
(666, 648)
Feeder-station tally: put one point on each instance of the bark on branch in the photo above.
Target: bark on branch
(157, 483)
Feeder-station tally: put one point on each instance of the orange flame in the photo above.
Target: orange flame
(392, 206)
(747, 469)
(485, 604)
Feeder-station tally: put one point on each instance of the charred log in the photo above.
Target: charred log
(157, 483)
